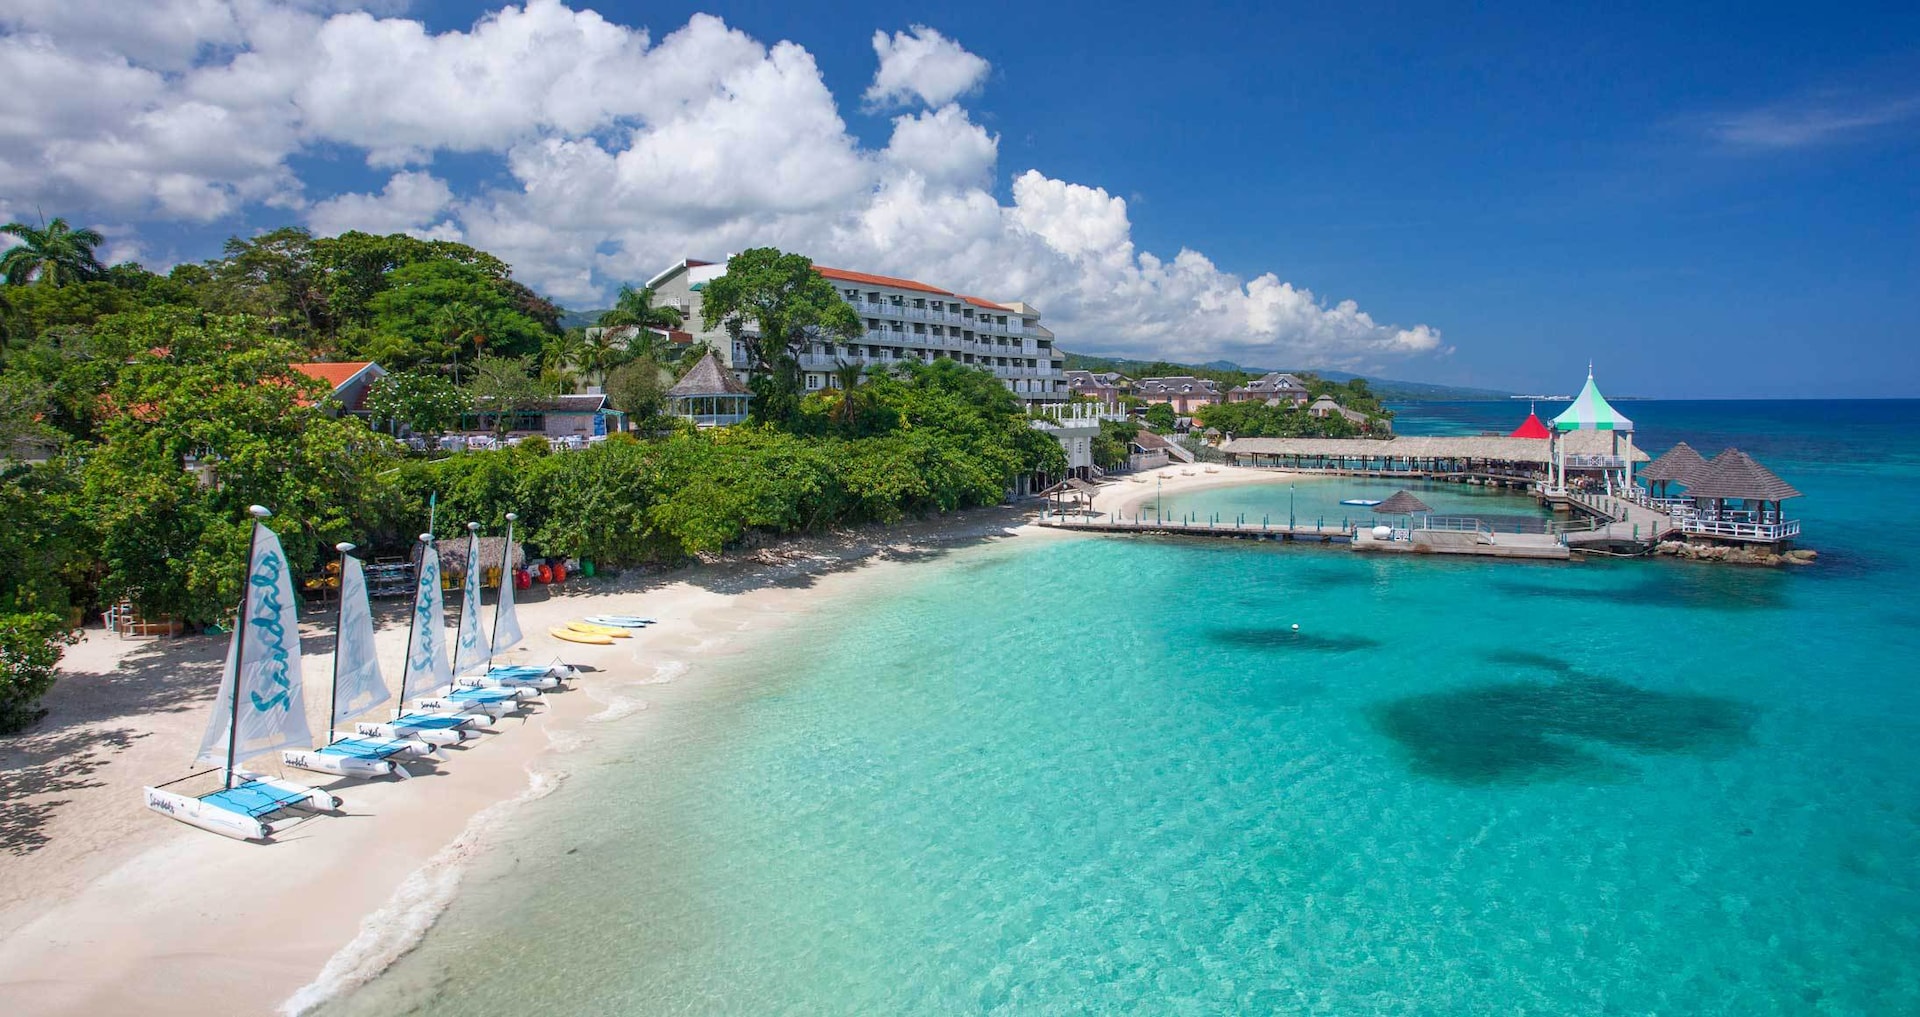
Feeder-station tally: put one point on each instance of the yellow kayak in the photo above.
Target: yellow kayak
(581, 637)
(600, 630)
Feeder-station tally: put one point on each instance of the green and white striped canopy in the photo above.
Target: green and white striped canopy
(1591, 412)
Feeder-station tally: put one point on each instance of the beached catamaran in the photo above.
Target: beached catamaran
(507, 634)
(357, 688)
(259, 709)
(474, 652)
(427, 665)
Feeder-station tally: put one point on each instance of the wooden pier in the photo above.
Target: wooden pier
(1201, 528)
(1477, 541)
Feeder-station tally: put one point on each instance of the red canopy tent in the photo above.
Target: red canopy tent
(1533, 428)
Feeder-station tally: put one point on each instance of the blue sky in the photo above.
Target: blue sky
(1706, 202)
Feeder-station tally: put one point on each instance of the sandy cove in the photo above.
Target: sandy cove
(1125, 495)
(107, 907)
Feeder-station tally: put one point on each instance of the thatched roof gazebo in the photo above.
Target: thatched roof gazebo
(709, 395)
(1733, 474)
(1071, 491)
(1402, 504)
(453, 556)
(1679, 465)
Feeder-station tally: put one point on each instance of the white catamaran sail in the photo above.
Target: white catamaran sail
(259, 709)
(506, 623)
(357, 688)
(428, 671)
(473, 650)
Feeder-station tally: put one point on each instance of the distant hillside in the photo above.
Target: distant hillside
(1228, 372)
(575, 319)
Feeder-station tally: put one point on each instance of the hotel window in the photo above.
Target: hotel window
(813, 381)
(896, 326)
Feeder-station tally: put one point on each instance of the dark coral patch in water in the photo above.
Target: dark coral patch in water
(1290, 639)
(1522, 732)
(1528, 658)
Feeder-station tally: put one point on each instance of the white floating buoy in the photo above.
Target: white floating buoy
(1296, 626)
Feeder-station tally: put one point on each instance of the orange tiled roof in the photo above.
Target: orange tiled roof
(977, 302)
(333, 374)
(868, 279)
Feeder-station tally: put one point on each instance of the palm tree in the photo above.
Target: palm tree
(57, 254)
(635, 307)
(847, 376)
(601, 353)
(560, 357)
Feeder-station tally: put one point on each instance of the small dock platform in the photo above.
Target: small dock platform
(1477, 543)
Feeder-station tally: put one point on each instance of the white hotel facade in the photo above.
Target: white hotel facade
(904, 320)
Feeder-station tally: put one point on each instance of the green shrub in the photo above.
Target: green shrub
(30, 649)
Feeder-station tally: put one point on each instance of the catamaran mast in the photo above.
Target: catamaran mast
(339, 630)
(407, 663)
(506, 576)
(258, 512)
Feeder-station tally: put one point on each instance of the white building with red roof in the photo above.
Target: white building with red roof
(905, 319)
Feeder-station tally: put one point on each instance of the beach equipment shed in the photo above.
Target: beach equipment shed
(709, 395)
(1591, 412)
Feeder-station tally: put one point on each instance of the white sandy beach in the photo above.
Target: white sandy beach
(107, 907)
(1126, 495)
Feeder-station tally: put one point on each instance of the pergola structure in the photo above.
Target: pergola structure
(1591, 412)
(709, 394)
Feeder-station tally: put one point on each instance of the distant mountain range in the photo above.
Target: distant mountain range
(577, 319)
(1387, 389)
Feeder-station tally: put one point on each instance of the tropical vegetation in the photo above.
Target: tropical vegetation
(140, 414)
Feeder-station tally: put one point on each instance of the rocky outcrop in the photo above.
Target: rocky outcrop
(1734, 555)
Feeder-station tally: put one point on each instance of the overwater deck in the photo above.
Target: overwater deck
(1453, 540)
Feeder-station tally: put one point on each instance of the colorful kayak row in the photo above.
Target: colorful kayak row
(600, 629)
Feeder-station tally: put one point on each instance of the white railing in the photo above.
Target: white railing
(1594, 462)
(1740, 531)
(1456, 524)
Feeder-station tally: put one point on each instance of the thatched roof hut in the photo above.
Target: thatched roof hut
(1735, 474)
(453, 554)
(1402, 504)
(1679, 465)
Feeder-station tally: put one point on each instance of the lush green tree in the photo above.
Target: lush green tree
(425, 404)
(1110, 446)
(272, 276)
(1160, 417)
(444, 312)
(30, 650)
(503, 386)
(638, 388)
(774, 304)
(213, 393)
(55, 254)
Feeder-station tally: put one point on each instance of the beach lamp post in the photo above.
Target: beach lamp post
(1289, 506)
(1159, 515)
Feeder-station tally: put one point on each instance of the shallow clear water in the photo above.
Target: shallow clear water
(1061, 776)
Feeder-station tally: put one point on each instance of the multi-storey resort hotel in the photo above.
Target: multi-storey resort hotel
(905, 320)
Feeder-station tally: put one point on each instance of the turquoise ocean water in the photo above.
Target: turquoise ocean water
(1107, 775)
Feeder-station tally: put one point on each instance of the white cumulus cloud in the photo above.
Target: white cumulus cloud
(409, 203)
(617, 153)
(922, 64)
